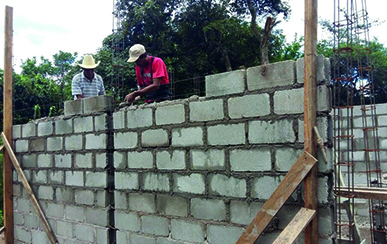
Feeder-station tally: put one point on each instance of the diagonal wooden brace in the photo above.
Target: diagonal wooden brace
(35, 204)
(287, 186)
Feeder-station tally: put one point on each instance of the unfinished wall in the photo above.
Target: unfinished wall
(186, 171)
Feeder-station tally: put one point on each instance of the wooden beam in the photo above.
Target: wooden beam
(363, 193)
(7, 127)
(293, 230)
(310, 113)
(27, 187)
(287, 186)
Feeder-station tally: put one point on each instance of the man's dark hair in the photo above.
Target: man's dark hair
(142, 56)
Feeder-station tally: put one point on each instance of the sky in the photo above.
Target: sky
(43, 27)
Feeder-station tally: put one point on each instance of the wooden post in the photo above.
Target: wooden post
(7, 127)
(310, 114)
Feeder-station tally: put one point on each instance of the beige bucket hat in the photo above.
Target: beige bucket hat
(136, 51)
(89, 63)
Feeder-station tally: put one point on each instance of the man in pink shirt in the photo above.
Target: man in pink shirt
(152, 76)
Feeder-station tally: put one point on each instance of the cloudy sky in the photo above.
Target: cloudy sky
(43, 27)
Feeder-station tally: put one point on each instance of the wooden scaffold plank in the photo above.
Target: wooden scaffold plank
(287, 186)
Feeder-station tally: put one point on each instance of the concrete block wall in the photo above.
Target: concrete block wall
(65, 161)
(198, 170)
(195, 170)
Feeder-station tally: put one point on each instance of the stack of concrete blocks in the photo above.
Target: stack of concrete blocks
(357, 123)
(187, 171)
(198, 170)
(64, 160)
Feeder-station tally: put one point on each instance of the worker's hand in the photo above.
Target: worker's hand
(130, 98)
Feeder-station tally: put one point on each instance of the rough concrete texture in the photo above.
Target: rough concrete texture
(187, 171)
(275, 75)
(225, 83)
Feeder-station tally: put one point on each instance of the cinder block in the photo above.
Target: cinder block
(187, 230)
(84, 232)
(227, 186)
(323, 69)
(31, 221)
(73, 142)
(55, 210)
(100, 160)
(97, 217)
(219, 234)
(127, 221)
(119, 120)
(263, 187)
(62, 160)
(21, 146)
(168, 160)
(39, 237)
(46, 192)
(74, 178)
(182, 137)
(120, 200)
(280, 131)
(120, 160)
(323, 189)
(122, 237)
(156, 182)
(276, 75)
(168, 241)
(142, 202)
(45, 128)
(154, 225)
(37, 145)
(155, 138)
(28, 130)
(65, 229)
(96, 141)
(171, 114)
(16, 131)
(133, 238)
(285, 158)
(126, 180)
(96, 179)
(100, 122)
(45, 161)
(250, 160)
(22, 234)
(126, 140)
(83, 124)
(286, 214)
(101, 198)
(63, 127)
(83, 160)
(64, 195)
(212, 159)
(56, 177)
(289, 101)
(97, 104)
(324, 99)
(54, 144)
(210, 209)
(102, 235)
(227, 134)
(226, 83)
(242, 212)
(172, 205)
(193, 183)
(208, 110)
(73, 107)
(29, 161)
(139, 118)
(249, 106)
(323, 127)
(74, 213)
(140, 160)
(84, 197)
